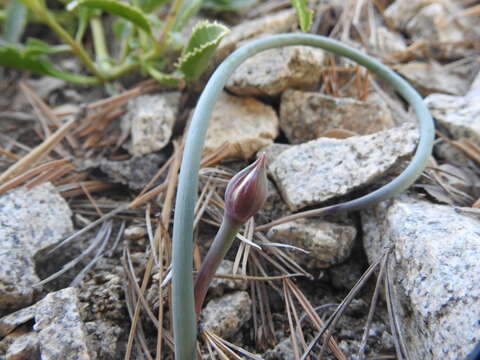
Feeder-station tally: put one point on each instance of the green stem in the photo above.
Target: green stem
(101, 50)
(184, 324)
(219, 248)
(77, 48)
(162, 43)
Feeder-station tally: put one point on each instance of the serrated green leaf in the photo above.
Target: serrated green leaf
(187, 10)
(304, 14)
(17, 57)
(201, 46)
(115, 7)
(15, 20)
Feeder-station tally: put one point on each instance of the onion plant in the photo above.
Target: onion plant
(184, 309)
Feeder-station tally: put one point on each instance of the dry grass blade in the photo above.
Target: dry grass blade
(99, 240)
(130, 271)
(37, 153)
(331, 322)
(244, 352)
(215, 345)
(371, 311)
(50, 175)
(400, 347)
(77, 189)
(31, 173)
(286, 297)
(9, 154)
(96, 257)
(469, 148)
(40, 107)
(312, 314)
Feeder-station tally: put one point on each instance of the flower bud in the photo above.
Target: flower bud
(246, 192)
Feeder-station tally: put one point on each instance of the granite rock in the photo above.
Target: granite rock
(31, 221)
(150, 119)
(327, 243)
(435, 271)
(319, 170)
(219, 286)
(57, 330)
(280, 22)
(306, 116)
(246, 124)
(135, 172)
(23, 347)
(459, 115)
(273, 71)
(226, 315)
(431, 77)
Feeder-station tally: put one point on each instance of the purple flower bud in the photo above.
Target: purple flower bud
(246, 192)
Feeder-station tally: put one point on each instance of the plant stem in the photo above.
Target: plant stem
(162, 43)
(101, 51)
(76, 47)
(184, 327)
(219, 248)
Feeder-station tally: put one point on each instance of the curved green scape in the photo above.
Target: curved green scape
(183, 301)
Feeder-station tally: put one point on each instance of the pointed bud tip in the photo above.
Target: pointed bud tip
(247, 191)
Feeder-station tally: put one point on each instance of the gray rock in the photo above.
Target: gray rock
(273, 71)
(11, 321)
(135, 172)
(31, 221)
(311, 173)
(226, 315)
(458, 114)
(430, 78)
(327, 243)
(280, 22)
(150, 119)
(436, 22)
(246, 124)
(17, 279)
(25, 346)
(103, 339)
(306, 116)
(435, 270)
(274, 206)
(59, 326)
(283, 350)
(219, 286)
(387, 42)
(273, 150)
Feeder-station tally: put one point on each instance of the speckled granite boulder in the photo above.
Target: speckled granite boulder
(150, 119)
(58, 331)
(311, 173)
(227, 314)
(306, 115)
(31, 221)
(436, 273)
(327, 243)
(246, 124)
(275, 70)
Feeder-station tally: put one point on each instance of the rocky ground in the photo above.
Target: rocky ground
(331, 131)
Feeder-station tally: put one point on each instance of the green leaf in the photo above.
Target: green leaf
(115, 7)
(187, 10)
(35, 47)
(201, 46)
(228, 5)
(304, 14)
(20, 58)
(150, 5)
(162, 77)
(16, 18)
